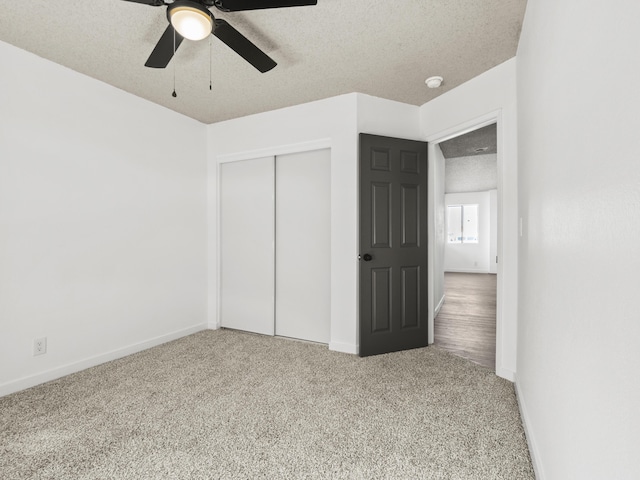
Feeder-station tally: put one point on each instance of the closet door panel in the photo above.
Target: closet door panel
(247, 245)
(303, 245)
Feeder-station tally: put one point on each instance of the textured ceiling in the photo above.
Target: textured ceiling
(478, 142)
(377, 47)
(477, 173)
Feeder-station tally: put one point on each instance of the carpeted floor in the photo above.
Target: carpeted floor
(225, 404)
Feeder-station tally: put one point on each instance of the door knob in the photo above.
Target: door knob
(367, 257)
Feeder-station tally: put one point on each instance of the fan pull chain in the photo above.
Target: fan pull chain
(174, 94)
(210, 65)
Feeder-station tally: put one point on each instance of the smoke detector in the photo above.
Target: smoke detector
(434, 82)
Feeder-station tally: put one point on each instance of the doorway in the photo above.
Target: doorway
(466, 236)
(466, 322)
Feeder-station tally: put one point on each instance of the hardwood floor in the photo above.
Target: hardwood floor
(466, 323)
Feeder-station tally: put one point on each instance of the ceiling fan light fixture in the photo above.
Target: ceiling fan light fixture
(192, 22)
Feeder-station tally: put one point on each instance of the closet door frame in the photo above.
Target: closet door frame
(320, 144)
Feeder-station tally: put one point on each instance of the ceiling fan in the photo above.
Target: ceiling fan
(191, 19)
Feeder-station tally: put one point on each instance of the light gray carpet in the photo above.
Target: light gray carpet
(224, 404)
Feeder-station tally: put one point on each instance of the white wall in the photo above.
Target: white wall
(578, 356)
(470, 257)
(102, 221)
(478, 102)
(333, 123)
(378, 116)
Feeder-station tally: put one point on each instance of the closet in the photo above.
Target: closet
(275, 238)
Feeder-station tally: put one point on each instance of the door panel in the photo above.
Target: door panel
(410, 296)
(410, 162)
(393, 250)
(303, 245)
(410, 215)
(380, 159)
(381, 218)
(247, 251)
(381, 301)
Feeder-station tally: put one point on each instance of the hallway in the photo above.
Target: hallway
(466, 323)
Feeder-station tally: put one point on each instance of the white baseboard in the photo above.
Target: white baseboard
(344, 347)
(531, 441)
(465, 270)
(58, 372)
(505, 373)
(438, 307)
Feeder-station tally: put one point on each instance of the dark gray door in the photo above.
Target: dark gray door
(393, 244)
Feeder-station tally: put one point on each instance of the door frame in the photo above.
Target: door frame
(433, 140)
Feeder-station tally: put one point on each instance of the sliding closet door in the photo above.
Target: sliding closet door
(303, 245)
(247, 250)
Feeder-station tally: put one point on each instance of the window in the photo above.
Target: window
(462, 223)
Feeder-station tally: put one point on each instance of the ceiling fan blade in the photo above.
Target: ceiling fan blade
(165, 48)
(241, 5)
(242, 46)
(153, 3)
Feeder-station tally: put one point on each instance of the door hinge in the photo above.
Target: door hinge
(496, 259)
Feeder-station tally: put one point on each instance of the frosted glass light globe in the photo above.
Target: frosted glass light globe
(191, 23)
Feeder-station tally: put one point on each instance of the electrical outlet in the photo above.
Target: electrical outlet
(40, 346)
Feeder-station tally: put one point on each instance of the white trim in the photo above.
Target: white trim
(58, 372)
(431, 233)
(438, 307)
(276, 150)
(466, 270)
(460, 129)
(466, 127)
(218, 269)
(506, 374)
(344, 347)
(213, 234)
(534, 452)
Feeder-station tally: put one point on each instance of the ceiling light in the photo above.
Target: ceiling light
(190, 19)
(434, 82)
